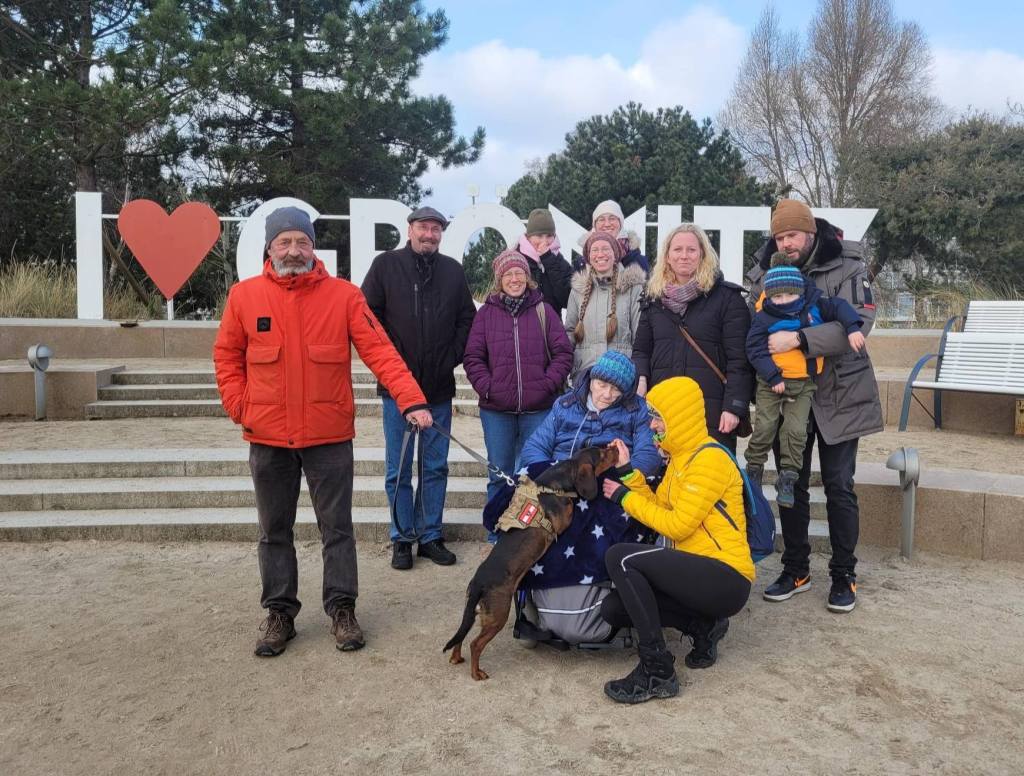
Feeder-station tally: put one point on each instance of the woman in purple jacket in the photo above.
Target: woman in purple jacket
(517, 358)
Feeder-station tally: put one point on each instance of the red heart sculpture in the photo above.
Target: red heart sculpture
(169, 247)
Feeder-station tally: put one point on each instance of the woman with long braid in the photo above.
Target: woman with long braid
(604, 306)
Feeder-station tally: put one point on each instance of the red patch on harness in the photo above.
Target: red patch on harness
(527, 513)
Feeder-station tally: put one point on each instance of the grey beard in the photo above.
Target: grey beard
(284, 271)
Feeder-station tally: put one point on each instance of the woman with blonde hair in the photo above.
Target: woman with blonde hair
(694, 323)
(604, 306)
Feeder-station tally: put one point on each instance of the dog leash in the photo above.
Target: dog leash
(411, 429)
(475, 455)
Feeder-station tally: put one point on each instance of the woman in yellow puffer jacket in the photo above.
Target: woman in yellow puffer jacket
(703, 577)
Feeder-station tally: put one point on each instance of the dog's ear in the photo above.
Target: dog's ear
(586, 481)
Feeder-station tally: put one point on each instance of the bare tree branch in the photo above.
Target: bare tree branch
(805, 115)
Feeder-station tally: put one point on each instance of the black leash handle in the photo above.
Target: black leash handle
(410, 431)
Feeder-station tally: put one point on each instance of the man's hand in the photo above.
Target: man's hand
(641, 387)
(420, 418)
(856, 341)
(783, 342)
(727, 423)
(780, 388)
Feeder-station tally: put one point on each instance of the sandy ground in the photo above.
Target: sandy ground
(136, 659)
(938, 449)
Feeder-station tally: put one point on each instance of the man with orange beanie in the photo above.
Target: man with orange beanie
(845, 405)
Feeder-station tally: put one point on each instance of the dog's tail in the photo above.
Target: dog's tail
(473, 596)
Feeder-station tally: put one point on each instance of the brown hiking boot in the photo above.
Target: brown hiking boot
(277, 630)
(346, 630)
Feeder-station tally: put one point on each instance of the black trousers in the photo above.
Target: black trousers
(650, 580)
(276, 473)
(838, 465)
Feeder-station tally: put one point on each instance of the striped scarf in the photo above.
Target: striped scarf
(676, 297)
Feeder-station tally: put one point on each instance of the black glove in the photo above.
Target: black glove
(621, 471)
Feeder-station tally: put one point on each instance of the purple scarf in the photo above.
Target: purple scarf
(676, 297)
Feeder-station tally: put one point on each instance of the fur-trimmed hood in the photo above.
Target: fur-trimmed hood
(828, 247)
(627, 277)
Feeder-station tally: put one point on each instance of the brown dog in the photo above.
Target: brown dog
(496, 579)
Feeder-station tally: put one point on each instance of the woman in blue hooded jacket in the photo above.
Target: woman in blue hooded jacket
(570, 579)
(602, 407)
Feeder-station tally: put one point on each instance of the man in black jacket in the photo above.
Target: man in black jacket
(421, 298)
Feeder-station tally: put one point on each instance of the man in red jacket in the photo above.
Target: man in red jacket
(284, 371)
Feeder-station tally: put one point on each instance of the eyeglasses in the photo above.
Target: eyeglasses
(302, 243)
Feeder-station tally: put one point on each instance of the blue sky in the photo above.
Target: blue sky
(528, 71)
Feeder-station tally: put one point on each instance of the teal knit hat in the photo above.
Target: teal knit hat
(783, 277)
(615, 368)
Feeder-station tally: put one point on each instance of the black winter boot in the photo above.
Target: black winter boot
(755, 472)
(705, 636)
(654, 677)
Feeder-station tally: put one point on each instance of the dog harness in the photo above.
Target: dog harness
(525, 510)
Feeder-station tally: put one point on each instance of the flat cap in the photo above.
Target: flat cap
(427, 214)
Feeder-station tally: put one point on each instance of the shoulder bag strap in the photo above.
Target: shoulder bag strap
(702, 354)
(542, 315)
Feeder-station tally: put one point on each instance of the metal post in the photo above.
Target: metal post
(907, 462)
(39, 359)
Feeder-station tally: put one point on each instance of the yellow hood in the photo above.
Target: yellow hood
(680, 403)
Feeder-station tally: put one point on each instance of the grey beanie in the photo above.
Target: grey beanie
(287, 219)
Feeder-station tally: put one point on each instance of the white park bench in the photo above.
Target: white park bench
(986, 357)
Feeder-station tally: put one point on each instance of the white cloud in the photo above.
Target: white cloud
(982, 80)
(528, 102)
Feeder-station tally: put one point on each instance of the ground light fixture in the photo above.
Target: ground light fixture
(908, 463)
(39, 359)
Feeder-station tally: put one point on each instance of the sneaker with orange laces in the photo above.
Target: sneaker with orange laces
(786, 586)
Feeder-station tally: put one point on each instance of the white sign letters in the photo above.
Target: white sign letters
(365, 215)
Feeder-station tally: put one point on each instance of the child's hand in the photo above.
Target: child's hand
(780, 388)
(856, 341)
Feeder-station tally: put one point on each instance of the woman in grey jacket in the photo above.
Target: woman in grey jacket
(604, 306)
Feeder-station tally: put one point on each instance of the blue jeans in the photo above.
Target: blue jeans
(505, 433)
(418, 516)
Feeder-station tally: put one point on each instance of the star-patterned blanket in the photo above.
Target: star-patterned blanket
(577, 557)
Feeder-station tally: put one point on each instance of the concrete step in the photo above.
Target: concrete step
(192, 492)
(165, 377)
(199, 524)
(198, 462)
(360, 375)
(207, 391)
(159, 391)
(370, 524)
(196, 408)
(221, 492)
(206, 462)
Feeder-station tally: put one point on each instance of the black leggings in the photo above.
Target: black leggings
(645, 576)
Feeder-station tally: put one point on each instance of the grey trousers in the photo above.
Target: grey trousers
(276, 473)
